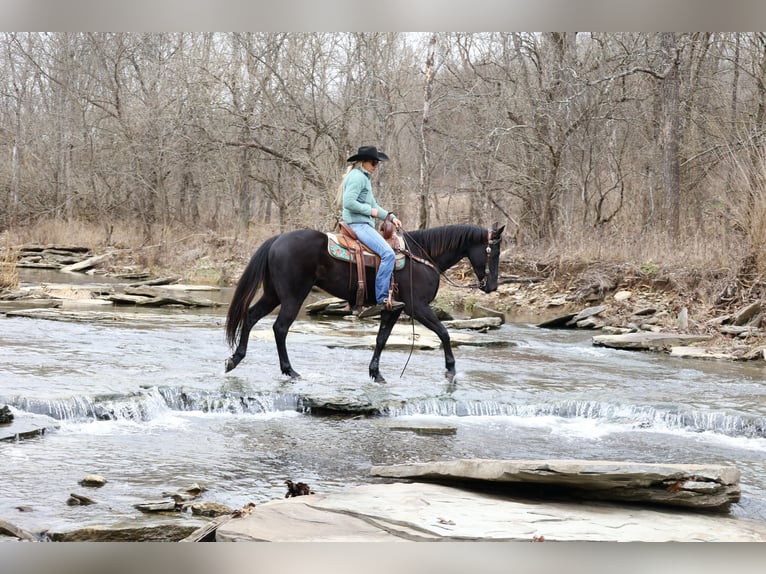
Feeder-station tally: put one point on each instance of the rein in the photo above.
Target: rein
(428, 262)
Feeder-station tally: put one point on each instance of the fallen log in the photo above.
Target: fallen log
(85, 263)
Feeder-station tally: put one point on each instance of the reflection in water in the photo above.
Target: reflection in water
(147, 405)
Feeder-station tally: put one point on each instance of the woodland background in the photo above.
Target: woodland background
(643, 147)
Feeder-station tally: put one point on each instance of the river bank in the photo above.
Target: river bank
(724, 311)
(131, 390)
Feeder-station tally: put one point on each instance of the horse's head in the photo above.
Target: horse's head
(485, 259)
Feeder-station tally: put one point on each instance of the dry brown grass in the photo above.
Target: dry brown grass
(196, 255)
(9, 274)
(701, 266)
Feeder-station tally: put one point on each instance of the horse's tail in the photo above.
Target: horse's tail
(247, 287)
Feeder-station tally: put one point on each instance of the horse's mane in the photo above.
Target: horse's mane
(438, 240)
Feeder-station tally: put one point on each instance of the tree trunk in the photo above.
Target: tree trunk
(425, 168)
(671, 176)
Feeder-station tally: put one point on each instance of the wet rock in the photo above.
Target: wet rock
(210, 509)
(340, 405)
(427, 430)
(6, 416)
(185, 494)
(93, 480)
(8, 529)
(297, 489)
(26, 425)
(168, 531)
(164, 505)
(79, 500)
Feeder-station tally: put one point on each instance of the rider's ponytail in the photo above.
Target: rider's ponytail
(339, 194)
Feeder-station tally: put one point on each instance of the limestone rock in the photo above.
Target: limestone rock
(585, 314)
(623, 295)
(433, 512)
(480, 312)
(27, 425)
(744, 315)
(647, 340)
(479, 324)
(687, 485)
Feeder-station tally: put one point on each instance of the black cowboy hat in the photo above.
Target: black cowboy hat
(368, 152)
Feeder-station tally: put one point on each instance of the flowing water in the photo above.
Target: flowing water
(141, 398)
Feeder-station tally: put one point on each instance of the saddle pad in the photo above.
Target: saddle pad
(338, 246)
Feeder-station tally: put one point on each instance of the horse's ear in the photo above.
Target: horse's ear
(498, 230)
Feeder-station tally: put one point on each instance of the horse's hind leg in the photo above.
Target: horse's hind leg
(387, 322)
(287, 314)
(265, 305)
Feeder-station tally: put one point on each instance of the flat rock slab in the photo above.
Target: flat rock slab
(26, 425)
(647, 341)
(716, 353)
(686, 485)
(433, 512)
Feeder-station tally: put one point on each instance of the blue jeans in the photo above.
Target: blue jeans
(374, 240)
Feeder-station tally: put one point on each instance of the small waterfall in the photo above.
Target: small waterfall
(151, 403)
(637, 416)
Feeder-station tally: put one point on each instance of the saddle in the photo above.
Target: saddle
(347, 247)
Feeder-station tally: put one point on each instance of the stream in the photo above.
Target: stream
(140, 397)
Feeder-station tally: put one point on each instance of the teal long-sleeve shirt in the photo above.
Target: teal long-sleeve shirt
(358, 200)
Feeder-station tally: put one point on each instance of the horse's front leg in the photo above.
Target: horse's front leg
(428, 318)
(387, 322)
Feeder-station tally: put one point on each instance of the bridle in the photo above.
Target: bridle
(490, 243)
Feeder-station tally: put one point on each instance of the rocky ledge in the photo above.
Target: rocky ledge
(735, 336)
(479, 500)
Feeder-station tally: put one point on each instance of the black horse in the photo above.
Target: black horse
(290, 264)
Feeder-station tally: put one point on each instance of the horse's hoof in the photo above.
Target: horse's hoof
(451, 375)
(292, 374)
(230, 364)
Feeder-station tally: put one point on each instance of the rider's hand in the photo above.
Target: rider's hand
(397, 223)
